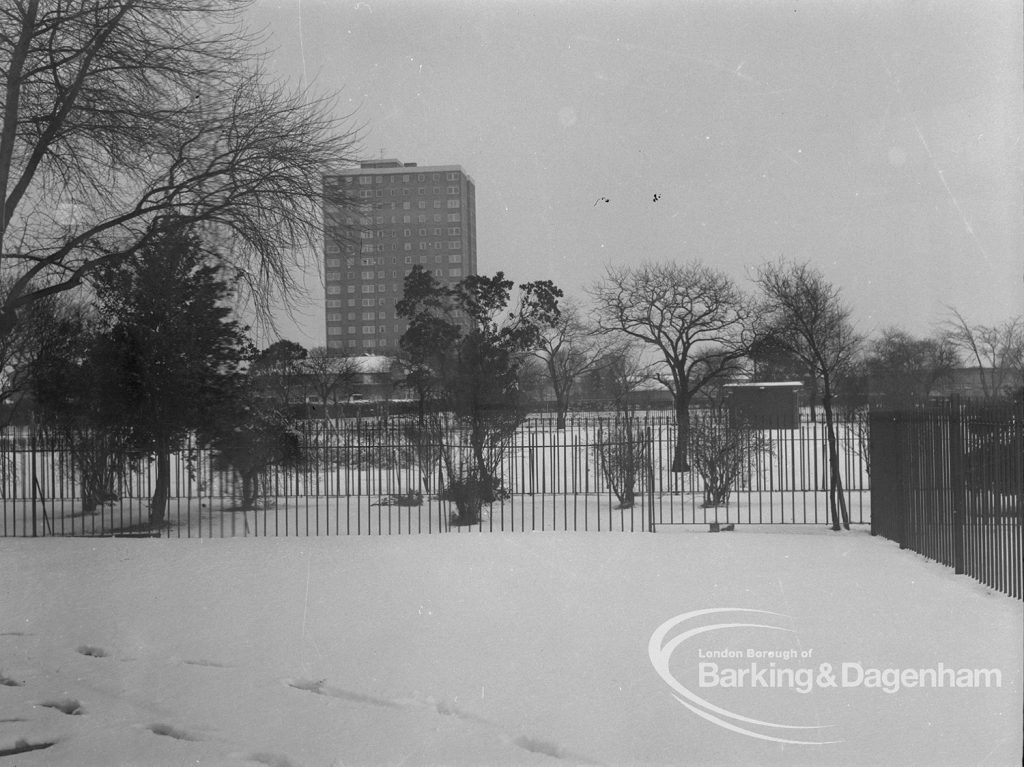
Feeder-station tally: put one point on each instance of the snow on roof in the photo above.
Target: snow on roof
(373, 363)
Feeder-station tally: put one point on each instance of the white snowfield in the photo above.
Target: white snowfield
(503, 649)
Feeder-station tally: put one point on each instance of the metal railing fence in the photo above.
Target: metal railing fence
(948, 483)
(383, 476)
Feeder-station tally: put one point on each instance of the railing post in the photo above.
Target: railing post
(35, 482)
(957, 481)
(650, 479)
(906, 434)
(876, 433)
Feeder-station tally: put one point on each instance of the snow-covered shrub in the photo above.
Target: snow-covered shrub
(721, 450)
(623, 454)
(264, 440)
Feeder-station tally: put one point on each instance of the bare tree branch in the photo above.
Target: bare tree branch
(901, 369)
(996, 350)
(803, 314)
(685, 312)
(331, 376)
(121, 113)
(569, 350)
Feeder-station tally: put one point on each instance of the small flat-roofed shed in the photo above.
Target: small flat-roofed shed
(765, 404)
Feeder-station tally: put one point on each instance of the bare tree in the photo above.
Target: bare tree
(804, 314)
(693, 315)
(723, 448)
(622, 372)
(622, 449)
(570, 350)
(622, 445)
(330, 376)
(118, 114)
(532, 380)
(902, 369)
(997, 350)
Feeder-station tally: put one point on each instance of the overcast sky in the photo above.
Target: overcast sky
(882, 141)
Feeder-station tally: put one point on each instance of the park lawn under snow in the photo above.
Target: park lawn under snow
(479, 649)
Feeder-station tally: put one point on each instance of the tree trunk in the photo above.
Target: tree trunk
(476, 438)
(249, 489)
(8, 321)
(680, 464)
(162, 487)
(421, 406)
(835, 494)
(422, 440)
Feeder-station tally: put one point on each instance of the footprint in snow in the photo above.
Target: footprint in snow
(171, 732)
(537, 746)
(22, 745)
(550, 748)
(206, 663)
(68, 706)
(92, 652)
(525, 742)
(319, 688)
(266, 758)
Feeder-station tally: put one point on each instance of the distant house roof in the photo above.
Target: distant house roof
(967, 381)
(764, 385)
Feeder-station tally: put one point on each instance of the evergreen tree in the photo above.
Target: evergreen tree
(465, 345)
(169, 359)
(279, 371)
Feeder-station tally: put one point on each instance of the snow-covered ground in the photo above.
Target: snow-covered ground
(524, 648)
